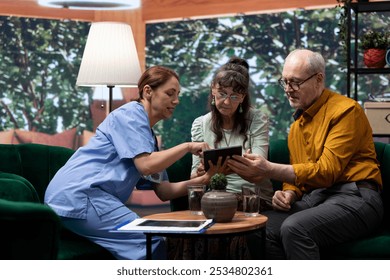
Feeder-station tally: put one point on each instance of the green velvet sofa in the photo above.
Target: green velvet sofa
(30, 229)
(376, 246)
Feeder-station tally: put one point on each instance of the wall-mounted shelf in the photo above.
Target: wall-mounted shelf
(353, 71)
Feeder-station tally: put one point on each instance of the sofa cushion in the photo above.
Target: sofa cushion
(65, 139)
(372, 247)
(85, 137)
(30, 231)
(80, 248)
(8, 137)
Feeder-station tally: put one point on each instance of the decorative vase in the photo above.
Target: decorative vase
(374, 58)
(219, 205)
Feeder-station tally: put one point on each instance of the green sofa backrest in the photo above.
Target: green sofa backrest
(35, 162)
(383, 156)
(278, 152)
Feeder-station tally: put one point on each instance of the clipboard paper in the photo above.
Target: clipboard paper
(177, 226)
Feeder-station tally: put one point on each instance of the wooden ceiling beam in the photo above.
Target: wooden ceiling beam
(162, 10)
(30, 8)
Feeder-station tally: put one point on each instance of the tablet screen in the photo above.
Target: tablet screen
(214, 154)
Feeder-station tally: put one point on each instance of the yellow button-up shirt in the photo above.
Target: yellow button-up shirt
(331, 142)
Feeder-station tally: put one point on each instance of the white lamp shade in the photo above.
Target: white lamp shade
(110, 57)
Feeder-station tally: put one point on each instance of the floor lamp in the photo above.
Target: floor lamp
(110, 58)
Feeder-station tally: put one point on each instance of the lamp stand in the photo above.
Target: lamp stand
(110, 99)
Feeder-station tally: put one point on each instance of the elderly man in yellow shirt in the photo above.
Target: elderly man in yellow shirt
(331, 186)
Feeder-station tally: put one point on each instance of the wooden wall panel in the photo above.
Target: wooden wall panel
(161, 10)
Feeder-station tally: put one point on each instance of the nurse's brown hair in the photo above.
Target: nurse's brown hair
(155, 77)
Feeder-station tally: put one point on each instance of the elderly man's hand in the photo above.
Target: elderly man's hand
(282, 200)
(250, 167)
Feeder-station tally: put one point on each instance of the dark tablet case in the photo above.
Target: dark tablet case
(214, 154)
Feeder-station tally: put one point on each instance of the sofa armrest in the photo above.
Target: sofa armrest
(16, 188)
(30, 231)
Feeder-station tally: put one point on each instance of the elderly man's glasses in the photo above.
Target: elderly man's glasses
(224, 96)
(293, 85)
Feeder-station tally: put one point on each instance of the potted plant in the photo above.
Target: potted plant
(218, 182)
(375, 44)
(218, 204)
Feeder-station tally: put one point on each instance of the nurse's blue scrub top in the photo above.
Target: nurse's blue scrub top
(103, 171)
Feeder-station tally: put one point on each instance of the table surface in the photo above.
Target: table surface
(239, 223)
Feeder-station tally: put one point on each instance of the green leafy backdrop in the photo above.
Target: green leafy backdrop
(39, 62)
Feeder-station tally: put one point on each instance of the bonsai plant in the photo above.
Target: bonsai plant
(218, 182)
(218, 204)
(375, 44)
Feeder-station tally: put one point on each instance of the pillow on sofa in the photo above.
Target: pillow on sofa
(86, 136)
(8, 137)
(66, 138)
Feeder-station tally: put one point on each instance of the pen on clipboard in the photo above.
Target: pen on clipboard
(209, 225)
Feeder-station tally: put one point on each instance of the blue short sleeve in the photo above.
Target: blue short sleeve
(128, 129)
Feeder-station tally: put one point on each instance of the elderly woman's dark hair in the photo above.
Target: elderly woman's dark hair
(234, 74)
(155, 76)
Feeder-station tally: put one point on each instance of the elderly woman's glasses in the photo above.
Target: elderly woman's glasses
(224, 96)
(293, 85)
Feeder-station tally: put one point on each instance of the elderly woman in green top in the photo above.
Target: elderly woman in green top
(232, 122)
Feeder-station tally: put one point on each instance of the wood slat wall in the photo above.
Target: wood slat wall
(160, 10)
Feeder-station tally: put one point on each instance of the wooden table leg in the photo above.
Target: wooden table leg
(148, 246)
(263, 241)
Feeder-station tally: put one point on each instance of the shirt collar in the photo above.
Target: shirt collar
(315, 107)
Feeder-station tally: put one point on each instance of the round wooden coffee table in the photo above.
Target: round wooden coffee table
(240, 225)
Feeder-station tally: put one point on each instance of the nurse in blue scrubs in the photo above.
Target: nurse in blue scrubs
(89, 192)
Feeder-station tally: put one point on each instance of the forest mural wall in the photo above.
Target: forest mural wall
(39, 62)
(196, 48)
